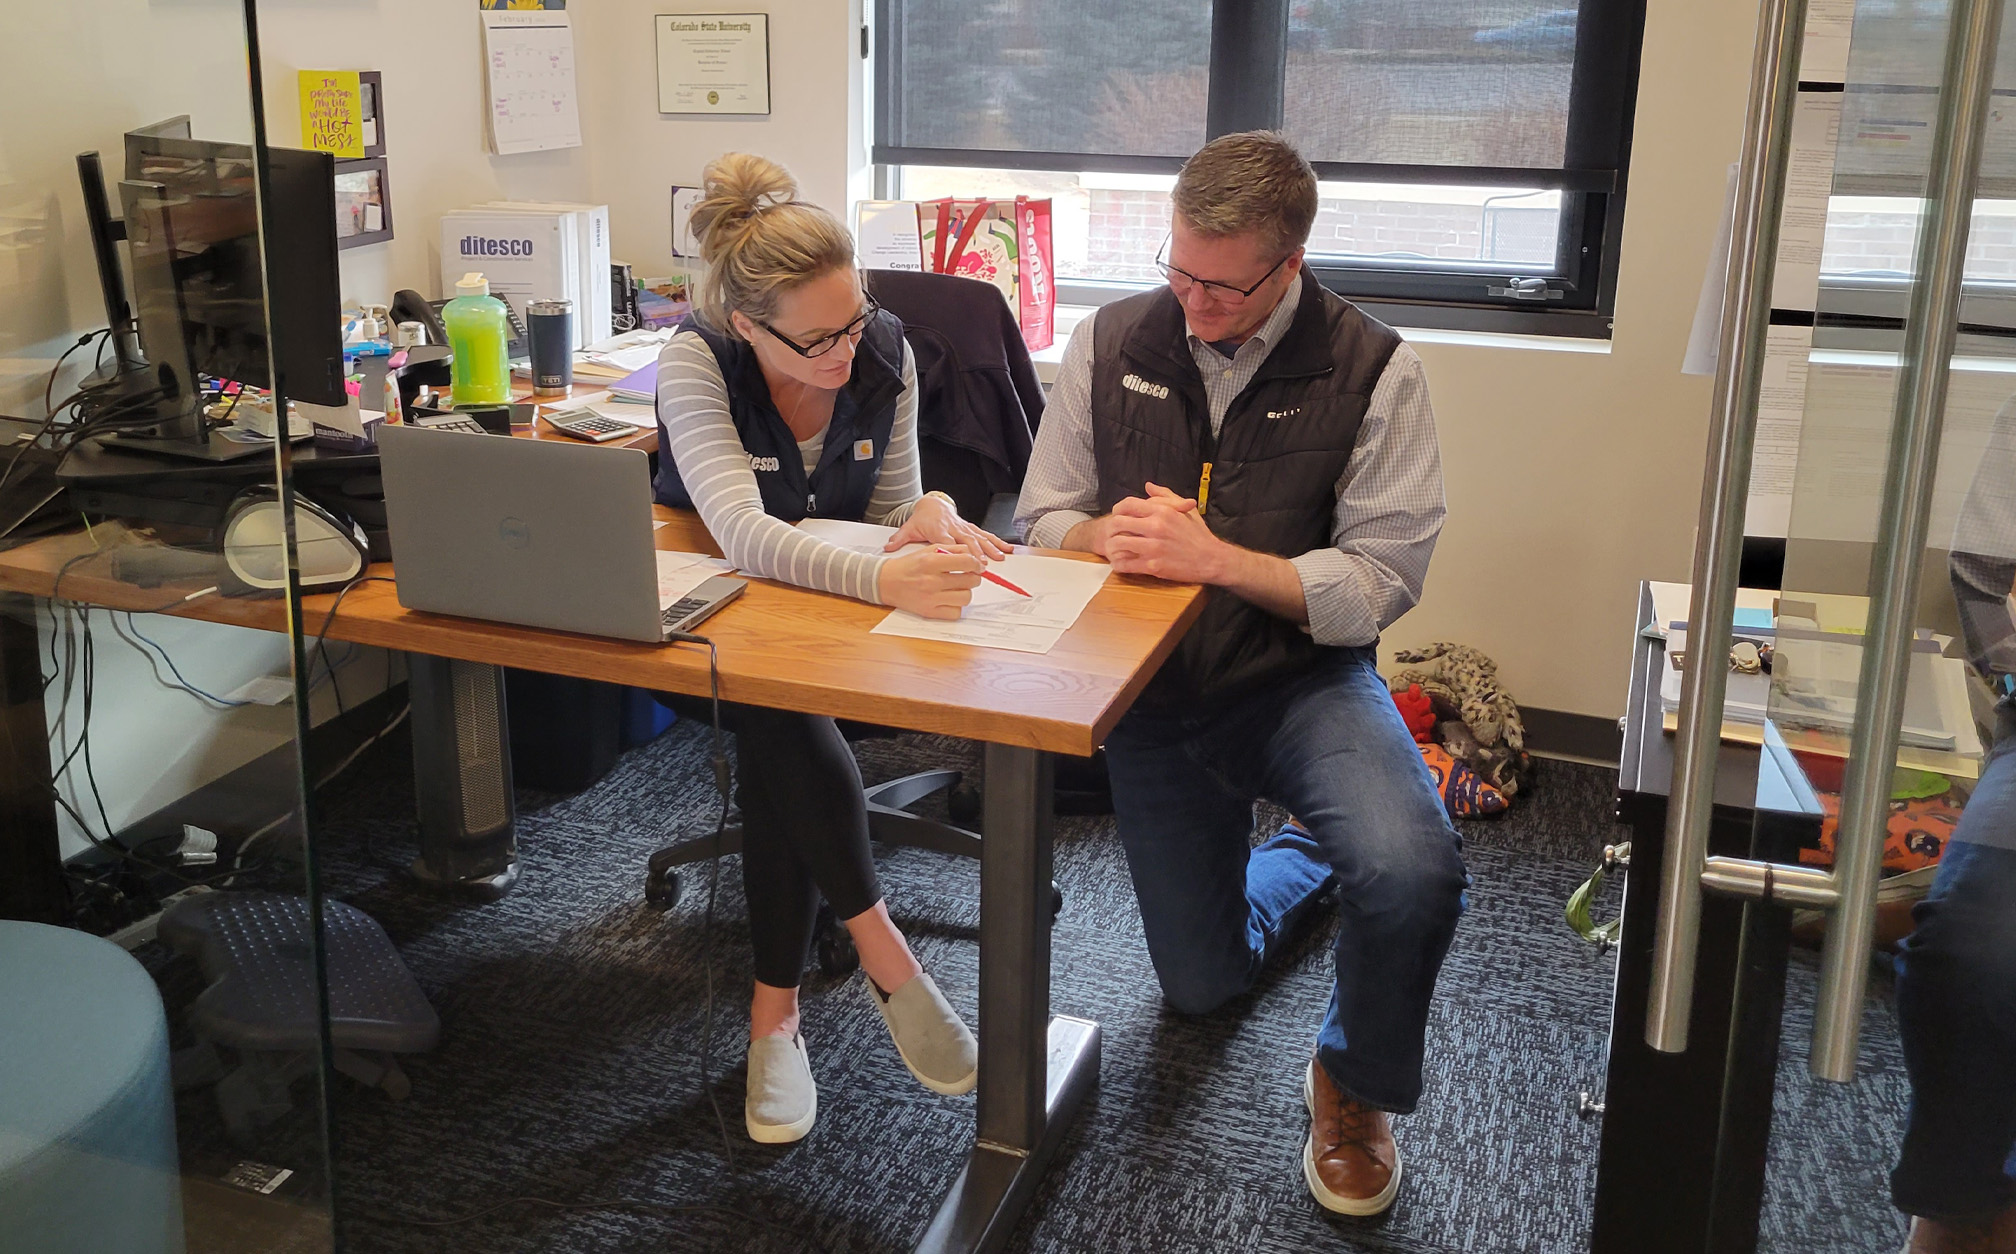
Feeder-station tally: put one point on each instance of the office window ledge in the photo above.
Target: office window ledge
(1069, 316)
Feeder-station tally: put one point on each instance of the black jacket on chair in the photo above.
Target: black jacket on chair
(978, 400)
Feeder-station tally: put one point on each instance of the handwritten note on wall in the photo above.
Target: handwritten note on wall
(529, 64)
(332, 112)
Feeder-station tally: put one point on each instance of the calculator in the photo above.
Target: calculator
(586, 424)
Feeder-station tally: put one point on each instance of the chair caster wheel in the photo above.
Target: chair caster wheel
(661, 892)
(1056, 900)
(963, 805)
(834, 951)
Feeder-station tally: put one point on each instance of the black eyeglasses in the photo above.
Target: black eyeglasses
(825, 343)
(1181, 280)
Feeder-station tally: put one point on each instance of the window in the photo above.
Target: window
(1471, 152)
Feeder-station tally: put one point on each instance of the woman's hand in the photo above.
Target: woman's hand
(935, 521)
(928, 583)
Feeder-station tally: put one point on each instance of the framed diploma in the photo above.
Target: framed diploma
(713, 63)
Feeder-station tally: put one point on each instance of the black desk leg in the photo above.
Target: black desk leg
(462, 776)
(1035, 1069)
(31, 858)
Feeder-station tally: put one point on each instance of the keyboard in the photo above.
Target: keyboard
(451, 422)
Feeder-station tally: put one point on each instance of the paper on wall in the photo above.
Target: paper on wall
(1809, 186)
(684, 242)
(1704, 343)
(528, 63)
(1823, 54)
(1781, 412)
(888, 235)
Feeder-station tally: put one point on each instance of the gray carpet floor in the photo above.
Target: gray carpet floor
(569, 1067)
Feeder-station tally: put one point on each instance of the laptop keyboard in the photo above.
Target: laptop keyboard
(468, 426)
(679, 609)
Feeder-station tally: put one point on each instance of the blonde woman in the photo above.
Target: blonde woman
(792, 396)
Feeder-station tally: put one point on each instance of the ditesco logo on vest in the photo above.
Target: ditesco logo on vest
(1135, 383)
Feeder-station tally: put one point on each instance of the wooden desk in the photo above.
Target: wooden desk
(794, 649)
(779, 646)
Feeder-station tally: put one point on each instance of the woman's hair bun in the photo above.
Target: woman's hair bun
(758, 240)
(735, 189)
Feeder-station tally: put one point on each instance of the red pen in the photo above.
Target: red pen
(991, 577)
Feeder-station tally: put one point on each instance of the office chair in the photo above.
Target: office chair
(978, 404)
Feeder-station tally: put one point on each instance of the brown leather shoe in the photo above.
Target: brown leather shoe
(1993, 1235)
(1350, 1161)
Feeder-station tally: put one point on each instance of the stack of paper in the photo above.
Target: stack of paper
(1059, 589)
(621, 356)
(640, 387)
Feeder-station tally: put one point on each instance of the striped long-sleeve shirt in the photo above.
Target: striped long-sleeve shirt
(697, 432)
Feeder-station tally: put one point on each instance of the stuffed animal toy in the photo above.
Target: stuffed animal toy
(1464, 794)
(1417, 712)
(1486, 733)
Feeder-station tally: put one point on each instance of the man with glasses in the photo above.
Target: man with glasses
(1246, 429)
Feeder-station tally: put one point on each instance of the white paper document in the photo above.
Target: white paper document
(1781, 415)
(888, 236)
(680, 573)
(1809, 186)
(1823, 56)
(1059, 589)
(529, 80)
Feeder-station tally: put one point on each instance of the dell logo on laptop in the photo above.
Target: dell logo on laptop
(515, 533)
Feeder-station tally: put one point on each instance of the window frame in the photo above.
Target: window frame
(1249, 50)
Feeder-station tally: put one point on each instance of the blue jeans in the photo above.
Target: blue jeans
(1956, 1011)
(1329, 746)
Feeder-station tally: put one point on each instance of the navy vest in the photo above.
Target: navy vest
(850, 462)
(1276, 461)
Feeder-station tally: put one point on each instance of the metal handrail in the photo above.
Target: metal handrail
(1918, 422)
(1718, 549)
(1916, 427)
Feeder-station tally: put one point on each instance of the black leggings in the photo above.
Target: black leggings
(804, 828)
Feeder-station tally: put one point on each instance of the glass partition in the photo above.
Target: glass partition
(1799, 664)
(163, 1003)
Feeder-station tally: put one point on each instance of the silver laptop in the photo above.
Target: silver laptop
(545, 533)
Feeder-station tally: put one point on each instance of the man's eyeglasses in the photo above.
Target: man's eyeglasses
(1181, 281)
(825, 343)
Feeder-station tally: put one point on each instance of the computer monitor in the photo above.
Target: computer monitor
(192, 230)
(140, 138)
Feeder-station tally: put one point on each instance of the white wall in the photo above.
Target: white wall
(434, 138)
(814, 128)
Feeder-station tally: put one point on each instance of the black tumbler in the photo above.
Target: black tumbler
(550, 326)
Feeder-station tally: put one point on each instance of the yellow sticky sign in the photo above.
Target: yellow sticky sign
(332, 112)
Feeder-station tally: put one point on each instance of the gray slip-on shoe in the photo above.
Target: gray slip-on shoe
(782, 1101)
(929, 1036)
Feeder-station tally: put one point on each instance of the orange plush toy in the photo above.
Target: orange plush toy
(1418, 712)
